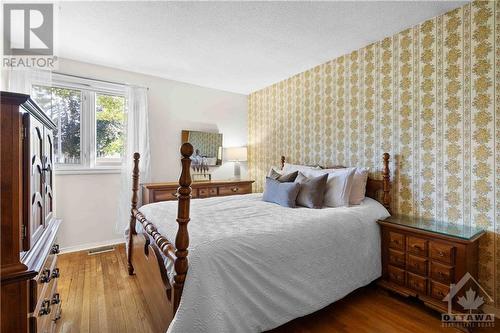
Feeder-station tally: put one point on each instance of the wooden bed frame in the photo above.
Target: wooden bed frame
(146, 259)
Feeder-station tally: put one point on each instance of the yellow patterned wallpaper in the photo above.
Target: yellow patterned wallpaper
(430, 96)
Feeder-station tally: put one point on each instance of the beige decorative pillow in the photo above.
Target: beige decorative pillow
(338, 187)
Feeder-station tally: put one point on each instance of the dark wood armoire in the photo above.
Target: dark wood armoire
(29, 298)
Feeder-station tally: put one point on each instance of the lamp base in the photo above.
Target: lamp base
(237, 170)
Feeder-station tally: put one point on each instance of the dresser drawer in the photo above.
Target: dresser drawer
(417, 246)
(442, 273)
(396, 258)
(235, 189)
(417, 265)
(417, 283)
(206, 192)
(396, 241)
(442, 252)
(438, 290)
(49, 310)
(396, 275)
(44, 280)
(212, 191)
(164, 195)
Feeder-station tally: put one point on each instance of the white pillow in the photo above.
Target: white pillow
(288, 168)
(358, 190)
(338, 187)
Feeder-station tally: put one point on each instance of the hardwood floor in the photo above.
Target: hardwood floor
(99, 296)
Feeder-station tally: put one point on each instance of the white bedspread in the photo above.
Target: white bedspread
(255, 265)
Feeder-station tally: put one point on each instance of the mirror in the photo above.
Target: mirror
(207, 147)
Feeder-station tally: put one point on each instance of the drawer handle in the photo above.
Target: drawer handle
(441, 253)
(395, 241)
(56, 299)
(55, 273)
(418, 248)
(45, 308)
(54, 249)
(417, 266)
(394, 276)
(234, 189)
(440, 293)
(443, 275)
(45, 277)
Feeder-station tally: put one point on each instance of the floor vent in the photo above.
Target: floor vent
(101, 249)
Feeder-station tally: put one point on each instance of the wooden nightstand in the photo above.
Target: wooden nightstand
(422, 257)
(155, 192)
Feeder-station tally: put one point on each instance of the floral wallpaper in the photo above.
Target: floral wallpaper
(430, 96)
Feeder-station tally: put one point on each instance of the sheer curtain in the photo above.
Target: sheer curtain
(136, 140)
(21, 80)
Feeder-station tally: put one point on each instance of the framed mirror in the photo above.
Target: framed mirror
(207, 147)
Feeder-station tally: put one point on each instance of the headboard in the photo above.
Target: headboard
(378, 189)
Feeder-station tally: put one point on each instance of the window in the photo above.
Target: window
(89, 122)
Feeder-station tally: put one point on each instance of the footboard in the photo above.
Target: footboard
(146, 260)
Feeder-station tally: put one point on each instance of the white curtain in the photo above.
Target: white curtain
(136, 140)
(21, 80)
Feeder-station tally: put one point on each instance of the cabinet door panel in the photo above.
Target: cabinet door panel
(48, 174)
(37, 218)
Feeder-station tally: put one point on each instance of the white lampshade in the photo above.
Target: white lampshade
(236, 154)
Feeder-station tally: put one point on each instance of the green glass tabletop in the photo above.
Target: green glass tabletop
(445, 228)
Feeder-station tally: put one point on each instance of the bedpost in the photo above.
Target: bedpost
(182, 238)
(131, 229)
(386, 200)
(282, 162)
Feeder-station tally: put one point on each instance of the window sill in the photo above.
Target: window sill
(88, 171)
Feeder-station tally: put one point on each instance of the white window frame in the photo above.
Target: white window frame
(89, 88)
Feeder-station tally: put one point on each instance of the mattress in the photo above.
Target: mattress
(255, 265)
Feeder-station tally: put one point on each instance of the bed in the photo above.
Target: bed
(253, 265)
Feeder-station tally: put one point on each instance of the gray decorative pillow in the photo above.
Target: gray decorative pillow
(312, 190)
(283, 178)
(284, 194)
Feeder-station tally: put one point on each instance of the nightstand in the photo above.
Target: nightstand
(422, 257)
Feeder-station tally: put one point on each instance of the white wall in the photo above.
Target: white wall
(88, 203)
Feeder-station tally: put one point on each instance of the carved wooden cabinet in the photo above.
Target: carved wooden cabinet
(155, 192)
(422, 258)
(29, 298)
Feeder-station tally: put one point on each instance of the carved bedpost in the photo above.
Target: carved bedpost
(131, 230)
(386, 200)
(282, 162)
(182, 238)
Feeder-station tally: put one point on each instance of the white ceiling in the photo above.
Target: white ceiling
(234, 46)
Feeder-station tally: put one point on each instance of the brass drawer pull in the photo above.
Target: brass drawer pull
(45, 276)
(55, 299)
(45, 308)
(418, 248)
(234, 189)
(441, 253)
(55, 273)
(54, 249)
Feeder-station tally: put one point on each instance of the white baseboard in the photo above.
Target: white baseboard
(87, 246)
